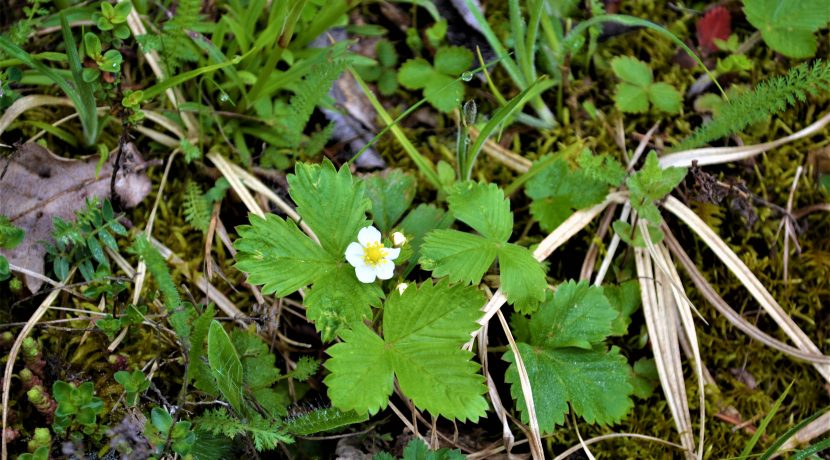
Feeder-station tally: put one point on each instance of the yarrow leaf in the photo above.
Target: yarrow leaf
(562, 346)
(466, 257)
(423, 328)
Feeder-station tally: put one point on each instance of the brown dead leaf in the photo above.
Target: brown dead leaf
(38, 185)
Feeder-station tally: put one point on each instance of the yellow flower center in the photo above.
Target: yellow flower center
(374, 253)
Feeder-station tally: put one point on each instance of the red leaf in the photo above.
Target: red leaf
(716, 23)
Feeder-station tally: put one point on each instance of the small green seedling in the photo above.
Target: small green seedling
(439, 81)
(110, 61)
(418, 450)
(114, 18)
(134, 383)
(77, 405)
(160, 427)
(42, 453)
(384, 73)
(788, 27)
(638, 90)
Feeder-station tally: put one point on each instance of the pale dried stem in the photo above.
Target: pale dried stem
(708, 293)
(717, 155)
(660, 323)
(27, 103)
(588, 442)
(747, 278)
(536, 449)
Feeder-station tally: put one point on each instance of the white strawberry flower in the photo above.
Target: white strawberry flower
(370, 258)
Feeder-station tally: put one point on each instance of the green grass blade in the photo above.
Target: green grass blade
(423, 163)
(763, 426)
(162, 86)
(499, 117)
(814, 449)
(87, 110)
(789, 434)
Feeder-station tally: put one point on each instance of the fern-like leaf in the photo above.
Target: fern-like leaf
(266, 434)
(196, 207)
(769, 97)
(309, 94)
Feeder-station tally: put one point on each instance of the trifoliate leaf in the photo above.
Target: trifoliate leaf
(632, 70)
(557, 191)
(652, 183)
(787, 26)
(664, 97)
(391, 195)
(631, 98)
(424, 329)
(567, 362)
(331, 202)
(453, 60)
(275, 253)
(440, 86)
(466, 257)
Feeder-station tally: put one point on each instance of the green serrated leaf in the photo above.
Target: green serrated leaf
(625, 298)
(444, 92)
(276, 254)
(225, 365)
(595, 382)
(577, 315)
(631, 98)
(788, 27)
(522, 278)
(563, 351)
(652, 183)
(415, 73)
(484, 208)
(664, 97)
(422, 325)
(331, 202)
(632, 70)
(337, 299)
(557, 191)
(391, 195)
(362, 372)
(453, 60)
(458, 255)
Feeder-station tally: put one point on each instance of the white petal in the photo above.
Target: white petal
(392, 253)
(385, 269)
(368, 235)
(399, 239)
(354, 254)
(365, 273)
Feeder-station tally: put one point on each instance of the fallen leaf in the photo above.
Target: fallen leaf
(716, 23)
(38, 185)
